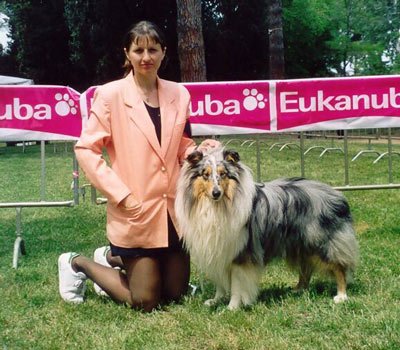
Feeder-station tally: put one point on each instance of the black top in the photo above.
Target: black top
(155, 116)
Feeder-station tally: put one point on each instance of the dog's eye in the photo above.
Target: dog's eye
(206, 176)
(222, 175)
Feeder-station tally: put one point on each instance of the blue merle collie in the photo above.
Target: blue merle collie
(232, 226)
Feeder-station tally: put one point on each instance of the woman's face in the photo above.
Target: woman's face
(145, 56)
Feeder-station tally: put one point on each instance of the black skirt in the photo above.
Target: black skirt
(174, 245)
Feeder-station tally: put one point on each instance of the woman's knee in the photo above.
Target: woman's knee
(144, 282)
(146, 302)
(175, 295)
(176, 269)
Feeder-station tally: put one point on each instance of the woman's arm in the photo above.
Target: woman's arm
(95, 136)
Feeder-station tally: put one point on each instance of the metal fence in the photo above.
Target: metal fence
(302, 143)
(19, 244)
(327, 142)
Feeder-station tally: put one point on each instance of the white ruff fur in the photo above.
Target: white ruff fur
(214, 240)
(214, 231)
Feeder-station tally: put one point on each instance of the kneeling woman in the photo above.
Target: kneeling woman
(142, 123)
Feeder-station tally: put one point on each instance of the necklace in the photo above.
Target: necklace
(146, 96)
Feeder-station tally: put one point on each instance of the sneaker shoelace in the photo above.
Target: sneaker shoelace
(79, 284)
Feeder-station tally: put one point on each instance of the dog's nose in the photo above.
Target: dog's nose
(216, 193)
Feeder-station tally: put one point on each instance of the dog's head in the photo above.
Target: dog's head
(214, 174)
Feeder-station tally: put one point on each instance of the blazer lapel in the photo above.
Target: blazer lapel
(138, 113)
(169, 113)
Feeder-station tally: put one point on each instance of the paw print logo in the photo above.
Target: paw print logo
(253, 99)
(65, 105)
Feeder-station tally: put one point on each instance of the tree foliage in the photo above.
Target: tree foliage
(365, 36)
(309, 29)
(329, 37)
(236, 41)
(97, 29)
(38, 28)
(79, 43)
(3, 23)
(7, 62)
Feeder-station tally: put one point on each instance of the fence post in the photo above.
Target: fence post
(302, 165)
(75, 175)
(390, 155)
(346, 158)
(258, 158)
(43, 170)
(19, 245)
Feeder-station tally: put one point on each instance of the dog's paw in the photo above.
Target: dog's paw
(340, 298)
(233, 307)
(210, 302)
(234, 304)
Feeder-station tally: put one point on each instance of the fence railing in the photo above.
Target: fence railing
(296, 143)
(19, 244)
(272, 108)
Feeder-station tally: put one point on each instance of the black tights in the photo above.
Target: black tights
(145, 283)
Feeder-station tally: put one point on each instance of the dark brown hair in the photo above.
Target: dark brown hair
(142, 29)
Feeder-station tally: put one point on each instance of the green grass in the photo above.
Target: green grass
(32, 315)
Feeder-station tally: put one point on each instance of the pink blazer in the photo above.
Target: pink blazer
(138, 165)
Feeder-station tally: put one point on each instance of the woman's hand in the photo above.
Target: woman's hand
(128, 202)
(208, 144)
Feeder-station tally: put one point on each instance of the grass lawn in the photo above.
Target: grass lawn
(33, 316)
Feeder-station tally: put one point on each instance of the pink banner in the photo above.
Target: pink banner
(56, 112)
(300, 104)
(230, 106)
(39, 113)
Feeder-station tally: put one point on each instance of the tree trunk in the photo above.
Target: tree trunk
(276, 46)
(190, 41)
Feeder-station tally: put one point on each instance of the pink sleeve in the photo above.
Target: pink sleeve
(187, 144)
(95, 136)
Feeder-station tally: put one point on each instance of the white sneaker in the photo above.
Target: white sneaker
(100, 257)
(72, 285)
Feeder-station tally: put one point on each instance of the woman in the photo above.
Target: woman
(141, 121)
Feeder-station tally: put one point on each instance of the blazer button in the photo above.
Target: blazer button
(164, 195)
(163, 169)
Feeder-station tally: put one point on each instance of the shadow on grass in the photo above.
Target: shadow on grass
(276, 294)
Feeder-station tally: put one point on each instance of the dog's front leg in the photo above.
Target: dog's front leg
(219, 294)
(244, 285)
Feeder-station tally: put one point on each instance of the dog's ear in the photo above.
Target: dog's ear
(231, 156)
(194, 157)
